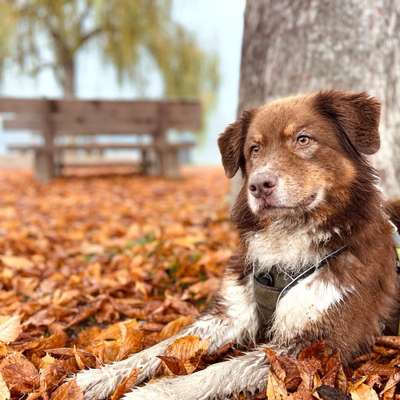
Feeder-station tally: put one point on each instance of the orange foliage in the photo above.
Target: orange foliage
(95, 269)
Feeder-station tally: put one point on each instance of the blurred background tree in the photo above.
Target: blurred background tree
(6, 27)
(39, 34)
(300, 46)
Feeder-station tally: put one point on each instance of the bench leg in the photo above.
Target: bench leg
(44, 166)
(146, 162)
(168, 163)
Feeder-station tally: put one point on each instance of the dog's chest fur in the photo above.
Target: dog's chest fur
(313, 296)
(291, 250)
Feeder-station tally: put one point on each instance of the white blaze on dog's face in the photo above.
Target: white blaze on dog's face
(294, 153)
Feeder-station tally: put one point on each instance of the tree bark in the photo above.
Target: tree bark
(298, 46)
(68, 79)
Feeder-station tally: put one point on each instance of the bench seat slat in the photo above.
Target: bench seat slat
(98, 164)
(101, 146)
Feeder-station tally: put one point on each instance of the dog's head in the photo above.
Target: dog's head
(301, 154)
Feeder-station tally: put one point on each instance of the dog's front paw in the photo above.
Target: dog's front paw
(99, 384)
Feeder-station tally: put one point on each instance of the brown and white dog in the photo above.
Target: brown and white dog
(308, 193)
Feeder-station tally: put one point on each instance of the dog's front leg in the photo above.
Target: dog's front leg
(245, 374)
(234, 318)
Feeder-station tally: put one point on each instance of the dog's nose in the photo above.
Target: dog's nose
(262, 184)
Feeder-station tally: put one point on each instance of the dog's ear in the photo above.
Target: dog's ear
(231, 143)
(355, 114)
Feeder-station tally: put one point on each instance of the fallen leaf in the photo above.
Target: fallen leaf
(100, 268)
(331, 393)
(174, 365)
(46, 361)
(53, 374)
(4, 392)
(204, 289)
(276, 389)
(189, 350)
(391, 383)
(388, 341)
(68, 391)
(18, 263)
(126, 384)
(363, 392)
(10, 328)
(173, 327)
(19, 373)
(276, 366)
(189, 241)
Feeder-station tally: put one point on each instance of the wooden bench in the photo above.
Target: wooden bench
(55, 119)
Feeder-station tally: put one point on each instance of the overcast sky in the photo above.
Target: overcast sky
(218, 25)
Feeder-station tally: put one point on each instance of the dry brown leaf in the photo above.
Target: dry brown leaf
(341, 382)
(91, 248)
(204, 289)
(188, 349)
(46, 361)
(52, 375)
(276, 366)
(87, 336)
(332, 368)
(19, 373)
(3, 350)
(10, 328)
(114, 331)
(35, 396)
(70, 352)
(18, 263)
(81, 272)
(308, 370)
(389, 394)
(59, 339)
(126, 384)
(173, 327)
(189, 241)
(317, 351)
(131, 342)
(105, 350)
(391, 383)
(363, 392)
(389, 341)
(373, 367)
(116, 342)
(68, 391)
(151, 327)
(174, 365)
(276, 389)
(4, 391)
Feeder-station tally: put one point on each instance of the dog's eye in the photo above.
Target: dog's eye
(254, 149)
(303, 140)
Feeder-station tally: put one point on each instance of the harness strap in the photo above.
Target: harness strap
(310, 271)
(270, 287)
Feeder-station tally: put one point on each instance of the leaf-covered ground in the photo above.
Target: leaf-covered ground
(94, 269)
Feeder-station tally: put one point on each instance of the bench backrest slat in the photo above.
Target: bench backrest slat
(101, 116)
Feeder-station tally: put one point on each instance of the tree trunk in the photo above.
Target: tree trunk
(298, 46)
(68, 79)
